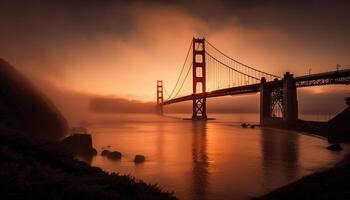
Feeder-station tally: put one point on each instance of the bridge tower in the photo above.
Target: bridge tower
(290, 102)
(199, 80)
(265, 102)
(286, 95)
(159, 96)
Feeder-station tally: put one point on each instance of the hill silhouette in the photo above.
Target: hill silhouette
(24, 107)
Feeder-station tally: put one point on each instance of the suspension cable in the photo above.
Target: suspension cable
(166, 93)
(188, 71)
(239, 62)
(183, 66)
(230, 67)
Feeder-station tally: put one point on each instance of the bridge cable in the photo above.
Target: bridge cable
(183, 66)
(184, 80)
(231, 67)
(166, 92)
(240, 62)
(189, 69)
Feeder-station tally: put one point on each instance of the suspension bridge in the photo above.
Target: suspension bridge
(209, 72)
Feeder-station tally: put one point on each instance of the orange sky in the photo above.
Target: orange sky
(99, 61)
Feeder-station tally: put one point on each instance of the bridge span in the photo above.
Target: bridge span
(215, 74)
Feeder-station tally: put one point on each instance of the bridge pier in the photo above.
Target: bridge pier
(265, 102)
(290, 102)
(199, 80)
(199, 109)
(159, 107)
(288, 98)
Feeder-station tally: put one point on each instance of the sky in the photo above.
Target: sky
(120, 48)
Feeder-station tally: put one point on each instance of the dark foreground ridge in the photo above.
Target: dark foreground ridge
(24, 107)
(38, 169)
(329, 184)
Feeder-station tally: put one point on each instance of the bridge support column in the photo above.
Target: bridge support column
(265, 102)
(290, 102)
(159, 97)
(199, 80)
(199, 109)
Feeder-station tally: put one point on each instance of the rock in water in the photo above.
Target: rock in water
(114, 155)
(105, 152)
(244, 125)
(79, 144)
(334, 147)
(27, 108)
(139, 159)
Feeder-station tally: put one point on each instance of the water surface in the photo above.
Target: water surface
(209, 160)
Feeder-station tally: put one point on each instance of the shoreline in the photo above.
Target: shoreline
(330, 183)
(303, 132)
(40, 169)
(336, 130)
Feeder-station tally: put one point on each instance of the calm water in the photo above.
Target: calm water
(213, 160)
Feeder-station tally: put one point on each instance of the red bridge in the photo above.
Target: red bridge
(215, 74)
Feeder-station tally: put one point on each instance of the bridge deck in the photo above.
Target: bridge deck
(327, 78)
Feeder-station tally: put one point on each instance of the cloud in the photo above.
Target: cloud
(118, 105)
(121, 48)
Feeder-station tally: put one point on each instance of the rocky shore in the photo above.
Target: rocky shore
(39, 169)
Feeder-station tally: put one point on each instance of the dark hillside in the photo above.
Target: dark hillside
(338, 128)
(24, 107)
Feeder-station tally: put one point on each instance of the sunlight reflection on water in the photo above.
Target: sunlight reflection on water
(209, 160)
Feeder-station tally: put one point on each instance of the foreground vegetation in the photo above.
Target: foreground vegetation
(37, 169)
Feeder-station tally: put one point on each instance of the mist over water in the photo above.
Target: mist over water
(209, 160)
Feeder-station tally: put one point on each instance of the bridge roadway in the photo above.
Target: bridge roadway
(327, 78)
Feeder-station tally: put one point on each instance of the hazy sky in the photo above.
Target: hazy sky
(121, 48)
